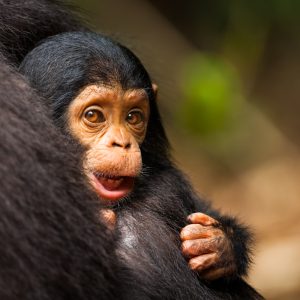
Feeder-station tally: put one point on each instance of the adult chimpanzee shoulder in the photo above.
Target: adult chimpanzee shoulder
(101, 96)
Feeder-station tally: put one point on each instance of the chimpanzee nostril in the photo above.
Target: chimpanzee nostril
(114, 144)
(121, 145)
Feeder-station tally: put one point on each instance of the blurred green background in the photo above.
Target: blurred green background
(229, 88)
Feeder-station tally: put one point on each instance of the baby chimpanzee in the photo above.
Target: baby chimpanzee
(102, 96)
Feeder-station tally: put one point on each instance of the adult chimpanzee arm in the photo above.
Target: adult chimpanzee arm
(239, 236)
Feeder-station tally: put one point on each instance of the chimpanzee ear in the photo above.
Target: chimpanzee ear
(155, 89)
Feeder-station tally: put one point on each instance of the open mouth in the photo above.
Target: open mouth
(110, 187)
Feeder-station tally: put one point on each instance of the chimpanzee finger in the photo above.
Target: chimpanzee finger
(203, 219)
(109, 217)
(203, 262)
(191, 248)
(197, 231)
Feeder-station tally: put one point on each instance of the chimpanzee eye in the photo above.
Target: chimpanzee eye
(135, 117)
(94, 116)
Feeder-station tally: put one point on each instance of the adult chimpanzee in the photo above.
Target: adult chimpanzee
(102, 96)
(53, 245)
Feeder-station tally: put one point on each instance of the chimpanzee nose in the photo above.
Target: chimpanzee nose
(119, 138)
(122, 144)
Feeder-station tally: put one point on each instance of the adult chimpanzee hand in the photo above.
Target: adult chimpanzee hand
(207, 247)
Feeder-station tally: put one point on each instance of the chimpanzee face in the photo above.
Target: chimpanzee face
(111, 124)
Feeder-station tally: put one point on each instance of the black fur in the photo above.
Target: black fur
(25, 22)
(150, 220)
(53, 245)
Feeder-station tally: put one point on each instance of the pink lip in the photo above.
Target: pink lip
(112, 188)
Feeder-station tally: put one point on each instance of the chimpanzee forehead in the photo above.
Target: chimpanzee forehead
(110, 92)
(105, 96)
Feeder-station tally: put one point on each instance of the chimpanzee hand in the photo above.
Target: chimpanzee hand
(207, 247)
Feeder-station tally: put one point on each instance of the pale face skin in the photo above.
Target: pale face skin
(111, 123)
